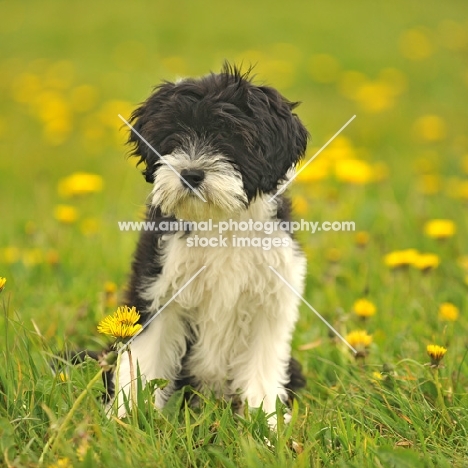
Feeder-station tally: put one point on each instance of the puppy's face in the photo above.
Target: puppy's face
(223, 142)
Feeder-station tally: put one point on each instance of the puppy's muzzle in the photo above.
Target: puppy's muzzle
(192, 178)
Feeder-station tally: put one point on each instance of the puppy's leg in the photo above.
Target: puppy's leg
(262, 371)
(157, 351)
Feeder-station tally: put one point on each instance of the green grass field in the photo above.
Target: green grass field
(66, 71)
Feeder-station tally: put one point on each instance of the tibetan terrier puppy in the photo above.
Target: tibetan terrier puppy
(219, 315)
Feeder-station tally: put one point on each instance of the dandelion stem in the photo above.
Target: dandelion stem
(115, 403)
(133, 391)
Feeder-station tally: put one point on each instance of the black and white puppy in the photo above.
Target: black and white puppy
(227, 147)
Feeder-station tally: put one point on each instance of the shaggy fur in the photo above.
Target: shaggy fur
(229, 331)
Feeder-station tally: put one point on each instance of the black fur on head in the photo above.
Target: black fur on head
(252, 126)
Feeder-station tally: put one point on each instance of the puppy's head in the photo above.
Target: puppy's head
(223, 141)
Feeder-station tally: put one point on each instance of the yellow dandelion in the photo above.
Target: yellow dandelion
(122, 324)
(448, 312)
(110, 287)
(333, 255)
(2, 283)
(66, 214)
(90, 226)
(316, 170)
(364, 308)
(52, 257)
(10, 255)
(416, 45)
(426, 262)
(361, 238)
(401, 258)
(436, 353)
(430, 128)
(300, 205)
(463, 262)
(375, 97)
(440, 228)
(62, 463)
(353, 171)
(377, 376)
(359, 339)
(428, 184)
(80, 183)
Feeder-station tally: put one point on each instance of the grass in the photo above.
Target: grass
(390, 409)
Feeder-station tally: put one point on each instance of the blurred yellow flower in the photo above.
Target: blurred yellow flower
(65, 214)
(300, 205)
(364, 308)
(375, 97)
(415, 45)
(324, 68)
(458, 189)
(440, 228)
(10, 255)
(362, 238)
(110, 290)
(52, 257)
(318, 169)
(463, 262)
(426, 164)
(359, 339)
(426, 262)
(340, 148)
(2, 283)
(453, 35)
(122, 324)
(333, 255)
(110, 287)
(353, 171)
(400, 258)
(26, 87)
(62, 463)
(429, 184)
(448, 312)
(80, 183)
(436, 353)
(32, 257)
(90, 226)
(430, 128)
(377, 376)
(350, 82)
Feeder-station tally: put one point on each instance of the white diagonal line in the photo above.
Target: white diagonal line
(283, 188)
(195, 191)
(314, 311)
(163, 307)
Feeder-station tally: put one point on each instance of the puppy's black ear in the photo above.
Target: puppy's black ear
(284, 136)
(150, 123)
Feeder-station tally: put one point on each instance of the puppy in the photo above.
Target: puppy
(226, 147)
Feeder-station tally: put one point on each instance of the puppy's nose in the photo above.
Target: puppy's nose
(194, 177)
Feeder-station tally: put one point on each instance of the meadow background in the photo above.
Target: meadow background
(68, 68)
